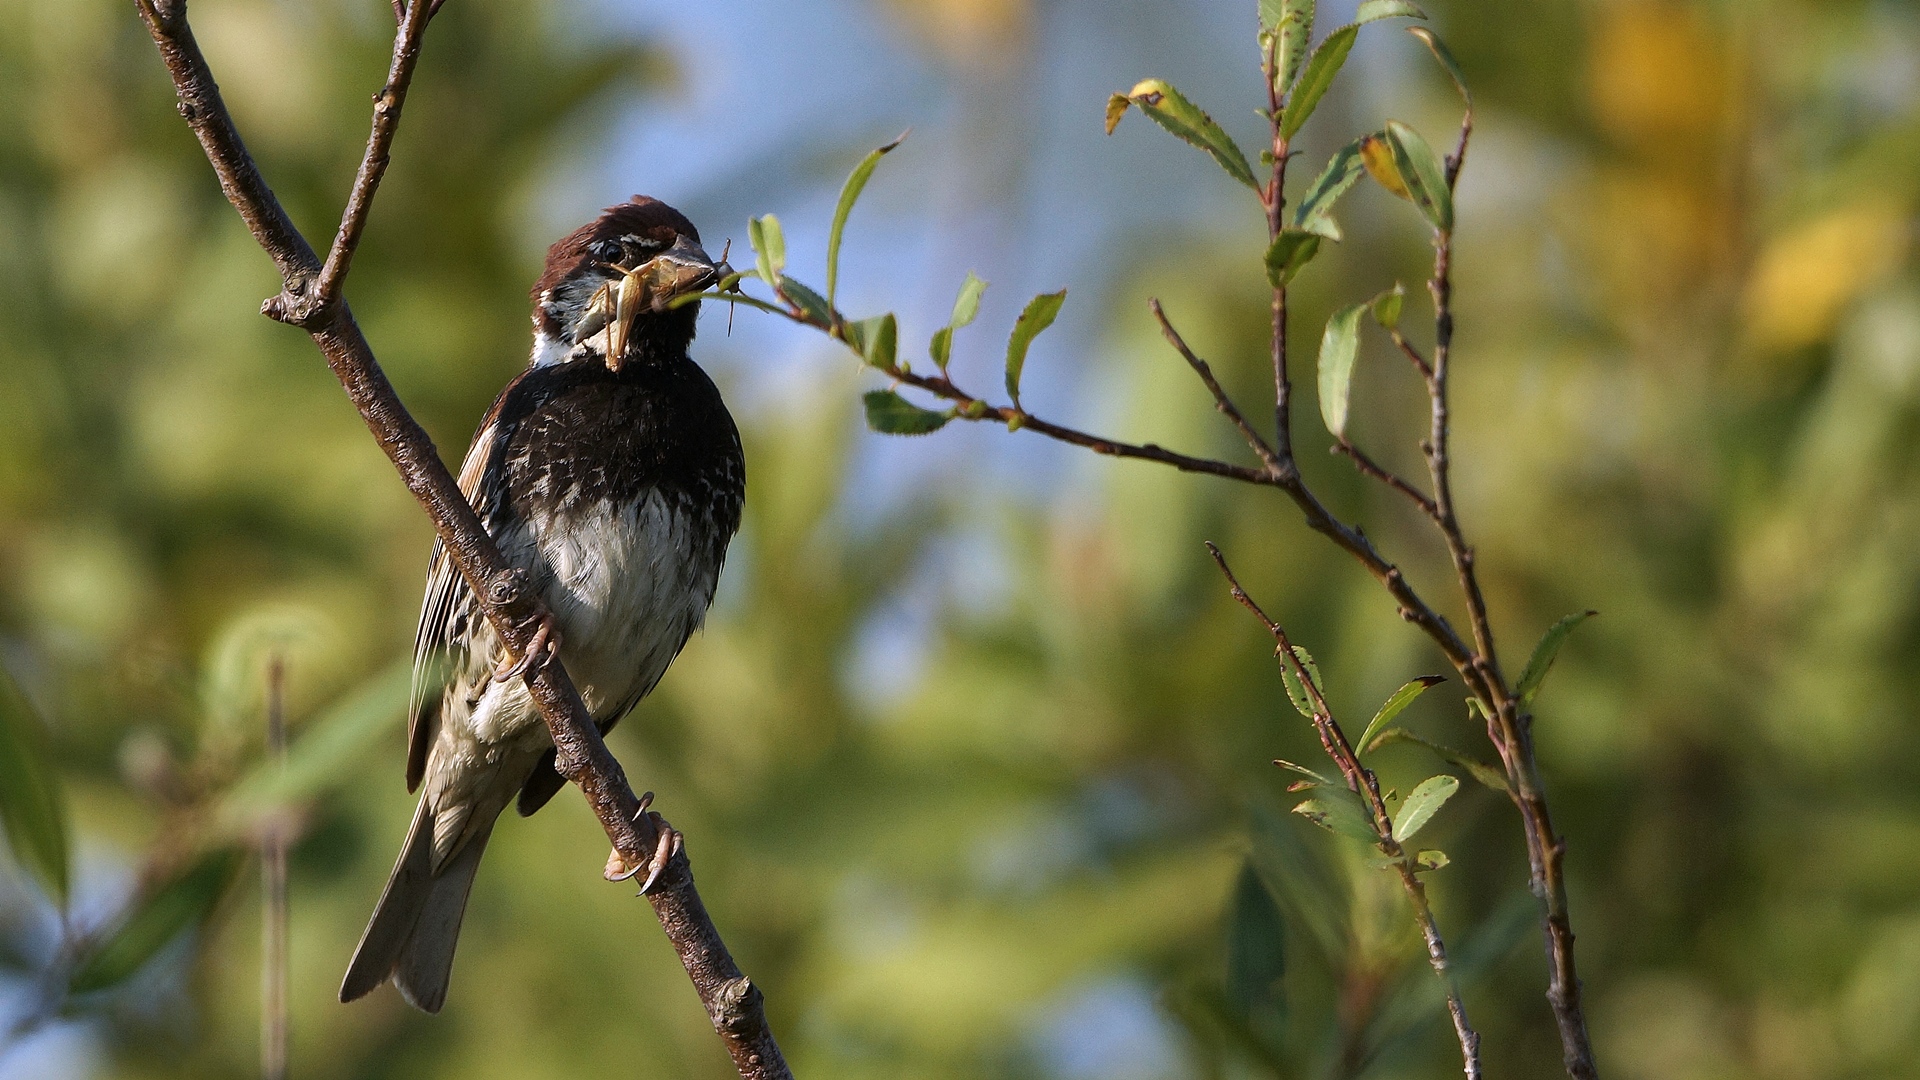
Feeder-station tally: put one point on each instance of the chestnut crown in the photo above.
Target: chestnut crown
(644, 240)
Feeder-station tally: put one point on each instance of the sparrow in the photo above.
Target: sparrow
(611, 473)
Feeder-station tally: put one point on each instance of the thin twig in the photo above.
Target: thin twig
(373, 165)
(1368, 466)
(1220, 399)
(1362, 781)
(1274, 200)
(273, 889)
(503, 592)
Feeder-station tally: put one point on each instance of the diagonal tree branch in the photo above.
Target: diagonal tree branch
(640, 838)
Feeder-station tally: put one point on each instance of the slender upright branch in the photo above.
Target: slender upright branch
(1362, 781)
(273, 889)
(1274, 199)
(640, 838)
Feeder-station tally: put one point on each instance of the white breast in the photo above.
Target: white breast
(625, 589)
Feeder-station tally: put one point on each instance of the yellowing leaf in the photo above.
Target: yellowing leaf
(1377, 155)
(1171, 110)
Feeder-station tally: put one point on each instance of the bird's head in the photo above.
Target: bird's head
(608, 290)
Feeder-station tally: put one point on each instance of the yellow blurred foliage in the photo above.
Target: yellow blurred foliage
(1655, 74)
(1805, 277)
(971, 32)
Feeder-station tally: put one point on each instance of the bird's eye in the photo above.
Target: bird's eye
(607, 251)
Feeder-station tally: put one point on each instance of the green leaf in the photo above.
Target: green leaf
(1420, 171)
(1302, 770)
(1292, 21)
(1297, 693)
(1431, 859)
(156, 919)
(1341, 811)
(1386, 306)
(1289, 252)
(876, 340)
(769, 247)
(1339, 347)
(850, 194)
(1401, 698)
(1314, 81)
(890, 414)
(1543, 654)
(1486, 774)
(1375, 10)
(967, 304)
(813, 307)
(1445, 56)
(1425, 801)
(1314, 214)
(32, 807)
(965, 307)
(1171, 110)
(324, 754)
(1256, 945)
(1039, 314)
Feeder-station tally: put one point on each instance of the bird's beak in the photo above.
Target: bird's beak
(652, 287)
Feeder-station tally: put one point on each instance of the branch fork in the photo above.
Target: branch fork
(310, 298)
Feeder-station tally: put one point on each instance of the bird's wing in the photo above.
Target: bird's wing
(447, 612)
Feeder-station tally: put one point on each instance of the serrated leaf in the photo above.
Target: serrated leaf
(1487, 775)
(813, 307)
(1314, 214)
(1339, 347)
(1256, 945)
(1297, 693)
(1340, 811)
(850, 194)
(1377, 155)
(1038, 315)
(1441, 53)
(876, 340)
(1292, 22)
(1543, 653)
(1321, 68)
(1171, 110)
(1375, 10)
(1420, 170)
(1424, 802)
(965, 307)
(890, 414)
(1386, 306)
(769, 247)
(1396, 704)
(1292, 250)
(324, 753)
(32, 805)
(156, 919)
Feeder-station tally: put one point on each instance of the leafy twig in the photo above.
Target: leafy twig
(1362, 781)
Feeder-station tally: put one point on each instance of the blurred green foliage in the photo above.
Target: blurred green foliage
(1688, 370)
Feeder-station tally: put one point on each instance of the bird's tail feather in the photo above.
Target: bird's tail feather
(414, 928)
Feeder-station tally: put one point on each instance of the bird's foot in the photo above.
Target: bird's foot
(668, 845)
(544, 647)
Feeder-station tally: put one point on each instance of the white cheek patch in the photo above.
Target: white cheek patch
(549, 350)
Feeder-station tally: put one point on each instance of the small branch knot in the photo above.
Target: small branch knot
(737, 1007)
(509, 590)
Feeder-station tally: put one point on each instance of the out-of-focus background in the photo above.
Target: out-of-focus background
(974, 747)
